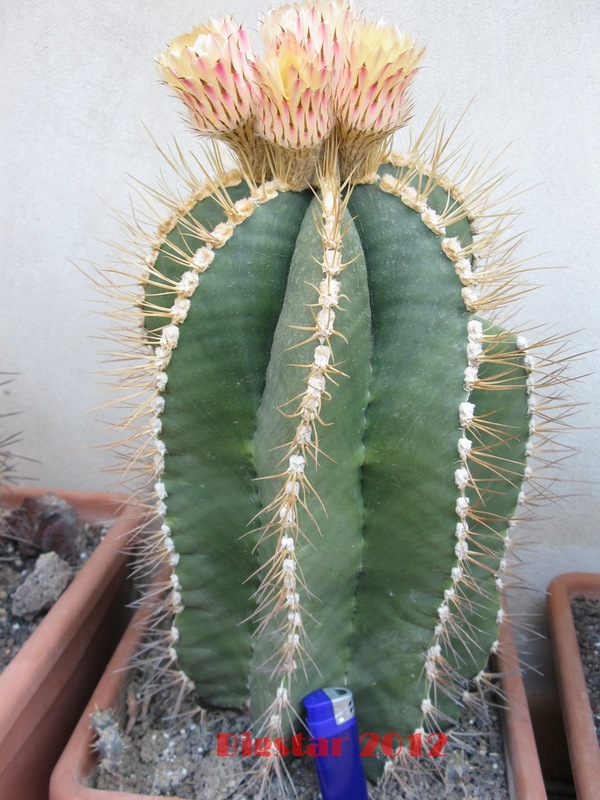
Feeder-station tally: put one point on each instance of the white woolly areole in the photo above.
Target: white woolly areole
(221, 233)
(464, 270)
(328, 203)
(461, 550)
(304, 434)
(287, 516)
(292, 487)
(325, 320)
(435, 651)
(461, 531)
(243, 209)
(162, 356)
(474, 330)
(462, 505)
(532, 427)
(188, 284)
(317, 382)
(452, 248)
(411, 198)
(433, 221)
(175, 582)
(179, 310)
(388, 183)
(470, 298)
(475, 353)
(322, 356)
(466, 413)
(203, 258)
(176, 601)
(464, 447)
(169, 336)
(471, 374)
(329, 292)
(461, 477)
(297, 464)
(426, 706)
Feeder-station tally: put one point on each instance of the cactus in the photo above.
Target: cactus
(334, 419)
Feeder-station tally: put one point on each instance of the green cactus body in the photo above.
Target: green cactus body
(340, 445)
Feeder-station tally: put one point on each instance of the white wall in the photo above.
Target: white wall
(78, 87)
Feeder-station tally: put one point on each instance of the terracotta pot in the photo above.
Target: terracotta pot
(524, 772)
(45, 687)
(577, 713)
(71, 774)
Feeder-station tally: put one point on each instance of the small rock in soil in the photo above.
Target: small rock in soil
(41, 588)
(44, 524)
(109, 744)
(17, 539)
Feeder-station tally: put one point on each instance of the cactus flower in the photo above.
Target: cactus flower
(210, 70)
(380, 64)
(294, 108)
(321, 27)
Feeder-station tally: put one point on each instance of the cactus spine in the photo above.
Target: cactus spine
(337, 432)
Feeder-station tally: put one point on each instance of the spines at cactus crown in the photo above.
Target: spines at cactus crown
(326, 73)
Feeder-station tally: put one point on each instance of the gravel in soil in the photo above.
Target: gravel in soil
(586, 614)
(140, 750)
(42, 545)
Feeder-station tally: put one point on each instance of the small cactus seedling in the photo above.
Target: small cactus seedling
(335, 422)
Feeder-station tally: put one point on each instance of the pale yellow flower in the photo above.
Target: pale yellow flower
(321, 26)
(210, 70)
(293, 105)
(380, 63)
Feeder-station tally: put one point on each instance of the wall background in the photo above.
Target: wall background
(79, 86)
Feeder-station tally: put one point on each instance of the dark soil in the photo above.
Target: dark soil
(30, 579)
(586, 613)
(147, 753)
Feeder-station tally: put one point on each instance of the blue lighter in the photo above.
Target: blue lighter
(331, 725)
